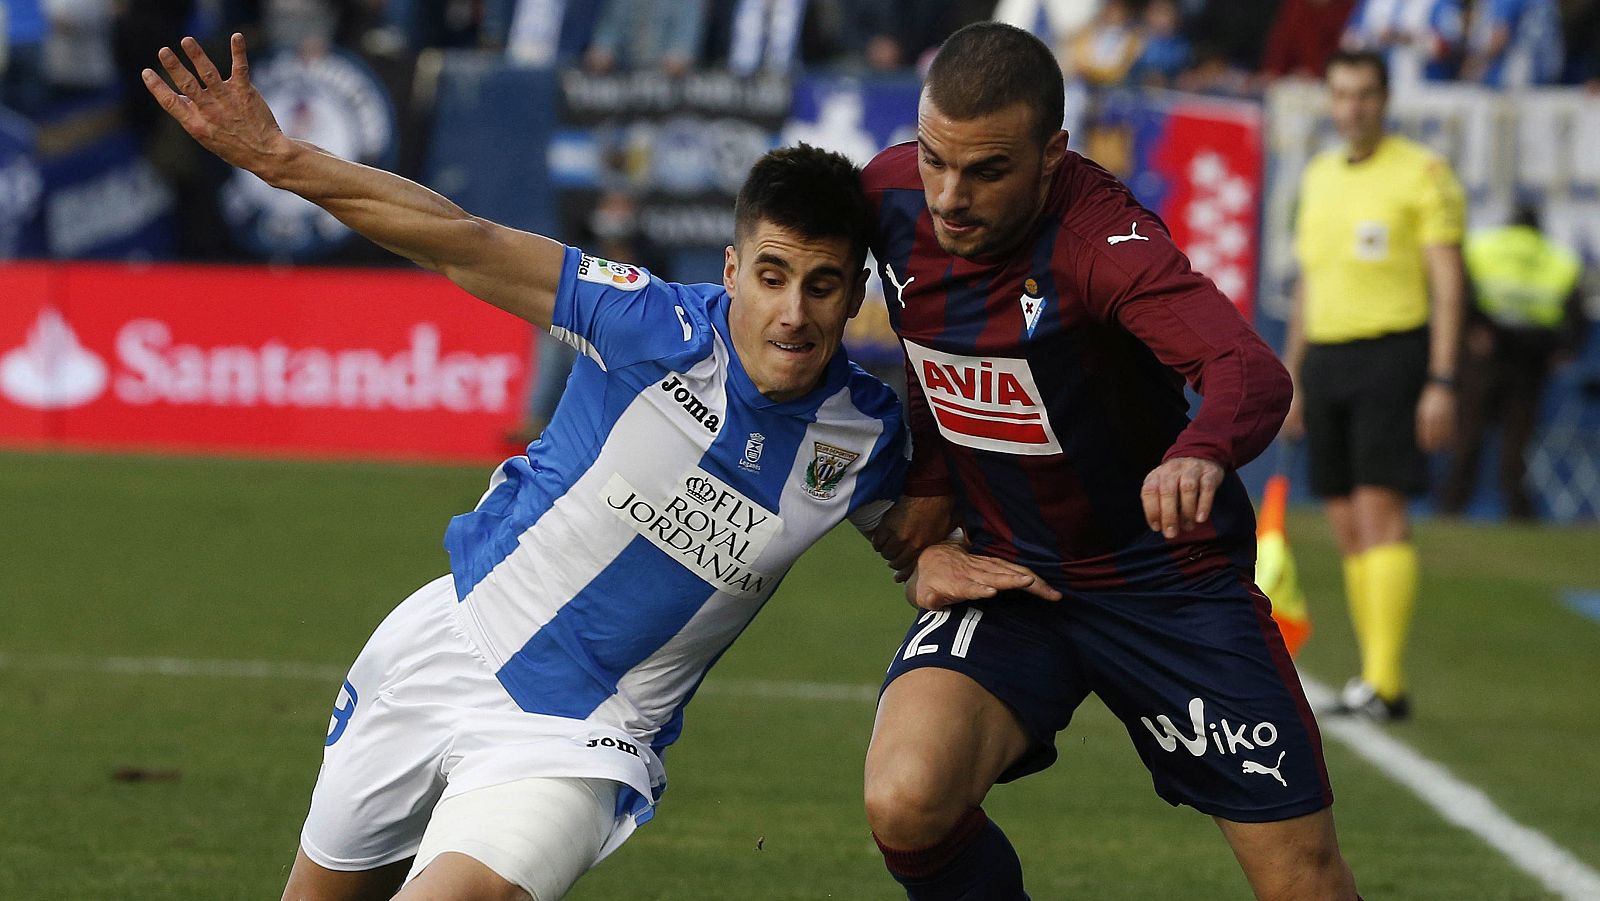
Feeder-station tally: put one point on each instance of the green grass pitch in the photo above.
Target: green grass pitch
(108, 558)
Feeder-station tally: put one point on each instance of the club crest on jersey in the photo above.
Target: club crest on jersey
(826, 470)
(621, 276)
(988, 403)
(753, 447)
(1032, 305)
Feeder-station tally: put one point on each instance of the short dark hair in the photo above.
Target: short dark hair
(988, 66)
(1369, 58)
(814, 192)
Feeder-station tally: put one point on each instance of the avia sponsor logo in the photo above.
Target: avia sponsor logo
(53, 370)
(698, 410)
(1227, 738)
(986, 403)
(706, 525)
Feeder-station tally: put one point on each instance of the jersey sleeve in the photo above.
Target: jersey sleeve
(1443, 206)
(1150, 290)
(928, 472)
(619, 314)
(883, 480)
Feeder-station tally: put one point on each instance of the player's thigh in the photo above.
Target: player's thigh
(311, 881)
(393, 720)
(1383, 423)
(1326, 407)
(1203, 684)
(527, 838)
(974, 695)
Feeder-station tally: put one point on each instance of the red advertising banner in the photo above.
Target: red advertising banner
(303, 362)
(1210, 155)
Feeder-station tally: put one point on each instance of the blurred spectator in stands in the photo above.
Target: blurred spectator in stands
(1233, 32)
(1166, 50)
(1513, 43)
(77, 52)
(1422, 39)
(647, 34)
(1304, 35)
(22, 87)
(1581, 27)
(415, 24)
(136, 35)
(541, 32)
(766, 36)
(1103, 53)
(1526, 317)
(905, 34)
(1056, 22)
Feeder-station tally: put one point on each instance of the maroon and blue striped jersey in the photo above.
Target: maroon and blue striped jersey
(1045, 385)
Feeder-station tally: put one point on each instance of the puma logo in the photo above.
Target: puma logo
(1250, 766)
(1132, 235)
(899, 287)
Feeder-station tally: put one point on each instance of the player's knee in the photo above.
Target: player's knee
(908, 812)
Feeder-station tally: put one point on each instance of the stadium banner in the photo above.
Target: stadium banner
(1199, 164)
(21, 189)
(301, 363)
(103, 200)
(679, 147)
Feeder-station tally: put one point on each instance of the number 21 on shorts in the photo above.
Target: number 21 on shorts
(931, 621)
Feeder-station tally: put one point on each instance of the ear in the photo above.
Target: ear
(1055, 150)
(730, 271)
(858, 293)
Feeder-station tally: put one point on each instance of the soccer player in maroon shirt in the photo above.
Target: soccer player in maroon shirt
(1049, 324)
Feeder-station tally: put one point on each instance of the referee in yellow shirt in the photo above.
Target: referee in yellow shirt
(1372, 347)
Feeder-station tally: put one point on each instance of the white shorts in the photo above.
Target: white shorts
(422, 717)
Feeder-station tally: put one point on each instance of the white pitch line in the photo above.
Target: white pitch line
(1459, 803)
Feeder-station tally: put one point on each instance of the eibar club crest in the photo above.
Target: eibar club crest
(1032, 305)
(827, 469)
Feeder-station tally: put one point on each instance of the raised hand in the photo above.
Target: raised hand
(228, 117)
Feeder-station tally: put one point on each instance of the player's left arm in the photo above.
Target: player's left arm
(1150, 290)
(1436, 408)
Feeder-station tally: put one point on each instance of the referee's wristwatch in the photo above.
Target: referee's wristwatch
(1443, 381)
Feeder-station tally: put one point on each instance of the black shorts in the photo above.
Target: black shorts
(1360, 408)
(1200, 680)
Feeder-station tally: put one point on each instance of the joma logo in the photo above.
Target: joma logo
(609, 742)
(691, 403)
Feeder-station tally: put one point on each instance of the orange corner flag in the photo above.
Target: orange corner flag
(1275, 570)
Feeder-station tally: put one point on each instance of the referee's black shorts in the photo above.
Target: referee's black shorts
(1361, 413)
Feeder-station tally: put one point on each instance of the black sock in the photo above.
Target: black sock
(975, 862)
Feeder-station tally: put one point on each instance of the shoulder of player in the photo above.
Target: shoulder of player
(894, 167)
(1100, 216)
(872, 410)
(1408, 154)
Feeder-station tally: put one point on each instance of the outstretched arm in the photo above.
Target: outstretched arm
(514, 270)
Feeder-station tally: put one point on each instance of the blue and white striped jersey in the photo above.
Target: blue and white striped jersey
(605, 571)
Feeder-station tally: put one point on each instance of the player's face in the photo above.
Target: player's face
(1358, 100)
(985, 179)
(791, 298)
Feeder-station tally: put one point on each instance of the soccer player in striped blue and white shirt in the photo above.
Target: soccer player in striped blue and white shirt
(503, 729)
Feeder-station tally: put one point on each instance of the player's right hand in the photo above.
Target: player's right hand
(228, 117)
(946, 574)
(912, 524)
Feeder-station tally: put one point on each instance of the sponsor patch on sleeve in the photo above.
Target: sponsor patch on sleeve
(622, 276)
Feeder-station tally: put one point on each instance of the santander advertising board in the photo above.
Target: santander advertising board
(315, 363)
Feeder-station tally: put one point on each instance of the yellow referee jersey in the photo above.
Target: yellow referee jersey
(1360, 233)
